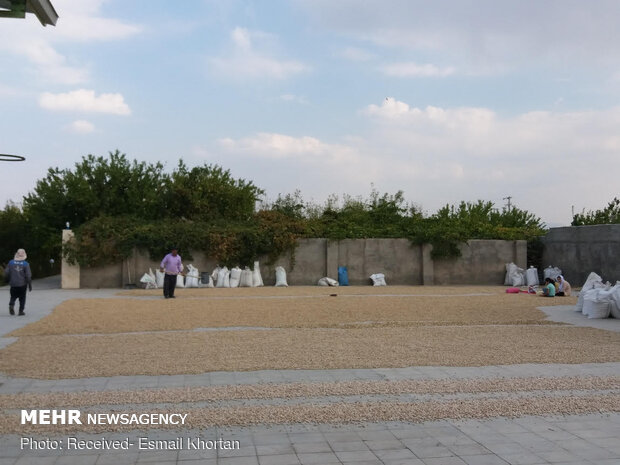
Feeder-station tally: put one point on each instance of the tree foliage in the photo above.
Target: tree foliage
(116, 205)
(608, 215)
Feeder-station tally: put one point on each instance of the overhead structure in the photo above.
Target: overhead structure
(42, 9)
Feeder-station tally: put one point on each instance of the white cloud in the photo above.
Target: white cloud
(86, 101)
(410, 69)
(246, 62)
(468, 153)
(81, 127)
(280, 146)
(81, 20)
(49, 63)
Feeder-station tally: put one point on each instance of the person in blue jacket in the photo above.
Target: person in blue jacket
(19, 276)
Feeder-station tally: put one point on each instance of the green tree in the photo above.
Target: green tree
(608, 215)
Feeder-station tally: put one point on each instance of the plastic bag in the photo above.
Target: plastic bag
(343, 276)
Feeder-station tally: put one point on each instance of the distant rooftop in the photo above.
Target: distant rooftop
(42, 9)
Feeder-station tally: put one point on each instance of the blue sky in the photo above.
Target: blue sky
(445, 100)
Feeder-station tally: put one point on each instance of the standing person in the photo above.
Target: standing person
(19, 276)
(172, 266)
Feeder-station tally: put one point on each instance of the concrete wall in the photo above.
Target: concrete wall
(578, 250)
(482, 262)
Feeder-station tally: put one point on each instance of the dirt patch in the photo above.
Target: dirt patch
(55, 357)
(90, 316)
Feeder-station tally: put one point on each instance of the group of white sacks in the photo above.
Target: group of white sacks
(220, 277)
(517, 277)
(598, 299)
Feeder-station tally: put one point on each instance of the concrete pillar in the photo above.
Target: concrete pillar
(428, 268)
(331, 258)
(70, 274)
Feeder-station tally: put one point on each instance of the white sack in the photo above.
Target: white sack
(510, 267)
(159, 278)
(223, 278)
(378, 279)
(192, 277)
(281, 277)
(149, 280)
(180, 282)
(517, 278)
(327, 282)
(257, 279)
(214, 274)
(246, 278)
(235, 276)
(551, 272)
(210, 283)
(588, 285)
(531, 276)
(614, 301)
(597, 303)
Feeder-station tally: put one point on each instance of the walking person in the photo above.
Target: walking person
(172, 266)
(19, 276)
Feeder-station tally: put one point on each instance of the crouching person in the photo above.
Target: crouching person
(548, 289)
(563, 286)
(19, 276)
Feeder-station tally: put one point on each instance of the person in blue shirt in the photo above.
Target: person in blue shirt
(19, 276)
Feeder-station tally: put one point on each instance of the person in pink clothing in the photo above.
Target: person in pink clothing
(172, 266)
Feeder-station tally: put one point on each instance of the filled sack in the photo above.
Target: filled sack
(214, 274)
(551, 272)
(223, 278)
(246, 278)
(235, 276)
(518, 277)
(614, 301)
(180, 280)
(192, 278)
(531, 276)
(378, 279)
(588, 285)
(257, 279)
(281, 277)
(159, 278)
(327, 282)
(343, 276)
(149, 280)
(597, 303)
(510, 268)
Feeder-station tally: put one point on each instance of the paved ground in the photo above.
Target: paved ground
(574, 439)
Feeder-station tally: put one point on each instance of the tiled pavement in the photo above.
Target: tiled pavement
(589, 439)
